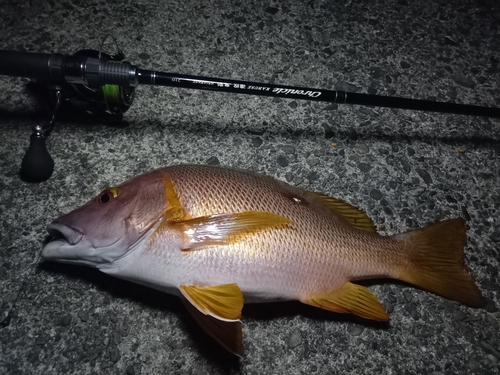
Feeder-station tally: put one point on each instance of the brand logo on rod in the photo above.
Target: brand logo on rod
(311, 94)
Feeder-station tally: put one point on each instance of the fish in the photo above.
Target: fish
(219, 237)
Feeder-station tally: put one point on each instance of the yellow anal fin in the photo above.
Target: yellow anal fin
(227, 228)
(350, 298)
(223, 302)
(354, 216)
(227, 334)
(434, 262)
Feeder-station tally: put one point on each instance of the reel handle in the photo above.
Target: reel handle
(37, 164)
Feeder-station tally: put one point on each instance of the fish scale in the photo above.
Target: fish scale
(314, 244)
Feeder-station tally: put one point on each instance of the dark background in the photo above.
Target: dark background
(406, 169)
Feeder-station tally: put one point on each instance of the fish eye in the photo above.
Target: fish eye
(107, 195)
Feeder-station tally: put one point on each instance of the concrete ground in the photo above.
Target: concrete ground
(406, 169)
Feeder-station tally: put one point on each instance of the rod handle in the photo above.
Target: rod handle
(31, 65)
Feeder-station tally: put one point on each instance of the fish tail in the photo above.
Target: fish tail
(434, 262)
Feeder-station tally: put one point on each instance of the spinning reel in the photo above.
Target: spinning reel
(106, 103)
(103, 85)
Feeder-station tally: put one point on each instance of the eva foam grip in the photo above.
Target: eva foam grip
(31, 65)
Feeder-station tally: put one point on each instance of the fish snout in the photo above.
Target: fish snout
(61, 232)
(64, 244)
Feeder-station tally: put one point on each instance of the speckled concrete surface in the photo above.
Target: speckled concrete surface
(405, 169)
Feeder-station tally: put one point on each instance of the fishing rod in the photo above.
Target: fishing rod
(104, 85)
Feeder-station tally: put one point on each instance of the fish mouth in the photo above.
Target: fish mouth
(64, 233)
(69, 245)
(64, 243)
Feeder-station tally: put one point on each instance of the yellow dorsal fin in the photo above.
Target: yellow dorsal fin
(349, 298)
(354, 216)
(226, 228)
(223, 302)
(227, 334)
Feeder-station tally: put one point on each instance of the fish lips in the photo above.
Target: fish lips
(69, 245)
(65, 233)
(72, 246)
(64, 245)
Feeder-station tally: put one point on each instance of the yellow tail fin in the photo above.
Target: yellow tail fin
(435, 262)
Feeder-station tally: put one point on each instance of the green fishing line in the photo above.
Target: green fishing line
(111, 93)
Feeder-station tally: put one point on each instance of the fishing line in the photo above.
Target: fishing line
(6, 321)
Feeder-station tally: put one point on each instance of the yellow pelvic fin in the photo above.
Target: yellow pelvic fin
(434, 262)
(349, 298)
(223, 302)
(227, 228)
(227, 334)
(354, 216)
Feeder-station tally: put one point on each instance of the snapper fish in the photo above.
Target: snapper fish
(218, 237)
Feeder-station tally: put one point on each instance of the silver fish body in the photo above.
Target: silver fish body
(217, 237)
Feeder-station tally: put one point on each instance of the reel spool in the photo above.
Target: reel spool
(108, 102)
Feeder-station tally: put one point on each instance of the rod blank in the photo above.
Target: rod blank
(304, 93)
(86, 70)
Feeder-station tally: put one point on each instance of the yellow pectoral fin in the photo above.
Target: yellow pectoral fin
(223, 302)
(350, 298)
(227, 228)
(354, 216)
